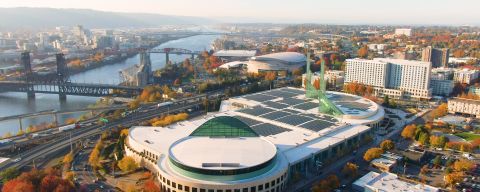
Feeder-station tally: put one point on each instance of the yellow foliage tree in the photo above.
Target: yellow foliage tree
(463, 165)
(127, 164)
(387, 145)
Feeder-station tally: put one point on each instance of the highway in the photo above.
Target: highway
(141, 114)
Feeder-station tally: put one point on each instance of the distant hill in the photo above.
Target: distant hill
(41, 18)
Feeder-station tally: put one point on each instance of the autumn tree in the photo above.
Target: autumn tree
(94, 158)
(70, 121)
(438, 141)
(127, 164)
(316, 84)
(350, 169)
(67, 160)
(151, 186)
(452, 178)
(459, 53)
(409, 131)
(441, 110)
(372, 153)
(363, 52)
(387, 145)
(463, 165)
(18, 185)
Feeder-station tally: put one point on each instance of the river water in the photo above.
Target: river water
(17, 103)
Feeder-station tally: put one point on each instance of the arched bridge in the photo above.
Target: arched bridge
(177, 51)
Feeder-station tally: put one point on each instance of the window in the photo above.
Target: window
(228, 190)
(194, 189)
(211, 190)
(187, 188)
(180, 187)
(267, 185)
(260, 187)
(253, 189)
(202, 190)
(273, 183)
(219, 190)
(245, 190)
(237, 190)
(278, 180)
(168, 182)
(174, 185)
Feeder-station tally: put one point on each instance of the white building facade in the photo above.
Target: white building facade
(465, 76)
(464, 106)
(393, 77)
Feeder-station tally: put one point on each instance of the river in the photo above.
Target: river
(17, 103)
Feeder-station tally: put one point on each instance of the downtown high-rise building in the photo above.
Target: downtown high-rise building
(393, 77)
(438, 57)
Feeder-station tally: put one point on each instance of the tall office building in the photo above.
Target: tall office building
(393, 77)
(438, 57)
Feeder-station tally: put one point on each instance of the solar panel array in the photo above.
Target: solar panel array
(306, 106)
(281, 105)
(291, 101)
(294, 119)
(259, 97)
(275, 105)
(279, 93)
(316, 125)
(266, 129)
(256, 111)
(248, 121)
(296, 91)
(275, 115)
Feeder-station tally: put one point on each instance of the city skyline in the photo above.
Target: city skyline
(409, 12)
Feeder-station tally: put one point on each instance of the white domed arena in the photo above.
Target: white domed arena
(259, 142)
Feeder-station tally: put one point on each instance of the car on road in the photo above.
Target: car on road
(17, 159)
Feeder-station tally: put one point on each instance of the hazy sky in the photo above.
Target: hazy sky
(456, 12)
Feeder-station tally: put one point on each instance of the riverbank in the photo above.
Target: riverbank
(17, 103)
(121, 58)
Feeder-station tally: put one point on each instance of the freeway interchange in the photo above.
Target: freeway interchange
(143, 113)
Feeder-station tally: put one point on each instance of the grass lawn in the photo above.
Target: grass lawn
(468, 136)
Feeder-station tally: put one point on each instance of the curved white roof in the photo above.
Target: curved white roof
(291, 57)
(243, 151)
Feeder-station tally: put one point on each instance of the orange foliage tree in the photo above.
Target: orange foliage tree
(409, 131)
(372, 153)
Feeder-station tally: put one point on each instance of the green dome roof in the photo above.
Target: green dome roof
(224, 126)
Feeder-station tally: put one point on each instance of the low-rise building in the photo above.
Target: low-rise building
(464, 106)
(465, 75)
(379, 182)
(334, 79)
(474, 90)
(442, 87)
(387, 161)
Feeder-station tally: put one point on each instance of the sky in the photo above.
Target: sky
(408, 12)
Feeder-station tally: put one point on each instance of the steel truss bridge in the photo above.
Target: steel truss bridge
(63, 89)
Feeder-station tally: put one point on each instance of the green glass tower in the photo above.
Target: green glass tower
(325, 105)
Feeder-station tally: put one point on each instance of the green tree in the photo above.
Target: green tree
(437, 161)
(9, 174)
